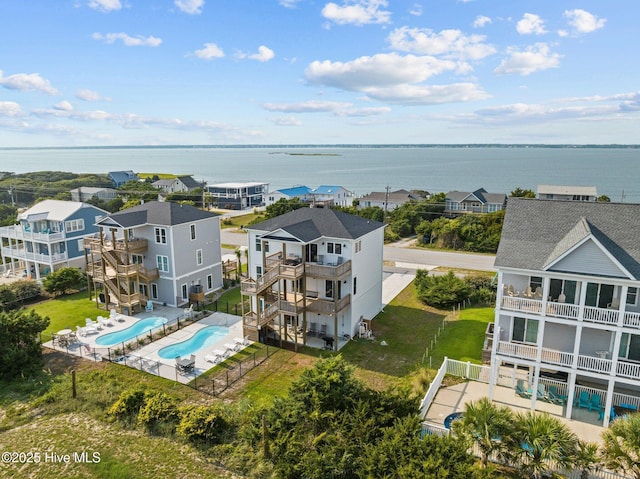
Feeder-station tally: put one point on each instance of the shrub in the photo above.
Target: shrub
(8, 298)
(63, 281)
(25, 290)
(440, 291)
(482, 296)
(203, 423)
(128, 405)
(159, 413)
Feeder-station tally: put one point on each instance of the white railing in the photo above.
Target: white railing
(563, 310)
(553, 356)
(425, 404)
(626, 399)
(467, 370)
(599, 315)
(22, 253)
(591, 363)
(517, 350)
(18, 233)
(629, 370)
(632, 320)
(521, 304)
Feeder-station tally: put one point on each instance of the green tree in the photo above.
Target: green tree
(621, 445)
(539, 438)
(522, 193)
(203, 424)
(604, 199)
(440, 291)
(283, 206)
(62, 281)
(486, 424)
(20, 351)
(586, 458)
(8, 298)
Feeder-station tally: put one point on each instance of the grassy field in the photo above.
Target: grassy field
(67, 312)
(238, 221)
(40, 414)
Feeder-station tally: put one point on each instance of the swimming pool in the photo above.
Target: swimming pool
(141, 327)
(205, 337)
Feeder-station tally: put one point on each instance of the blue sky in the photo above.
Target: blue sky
(154, 72)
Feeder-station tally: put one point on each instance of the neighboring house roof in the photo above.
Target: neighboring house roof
(398, 196)
(54, 210)
(295, 191)
(159, 213)
(327, 190)
(308, 224)
(536, 233)
(567, 190)
(189, 182)
(237, 185)
(480, 194)
(120, 177)
(91, 190)
(163, 183)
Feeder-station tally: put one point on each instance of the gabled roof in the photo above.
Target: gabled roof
(122, 176)
(163, 183)
(164, 213)
(393, 197)
(480, 194)
(308, 224)
(295, 191)
(536, 233)
(92, 189)
(54, 210)
(189, 182)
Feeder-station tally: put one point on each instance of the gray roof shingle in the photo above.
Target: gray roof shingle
(308, 224)
(157, 213)
(536, 232)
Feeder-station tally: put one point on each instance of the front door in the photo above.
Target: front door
(312, 253)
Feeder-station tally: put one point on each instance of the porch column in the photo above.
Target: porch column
(493, 374)
(609, 402)
(571, 390)
(536, 377)
(623, 306)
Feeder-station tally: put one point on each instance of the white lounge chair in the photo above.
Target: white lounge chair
(188, 311)
(91, 326)
(149, 307)
(210, 358)
(104, 322)
(7, 273)
(81, 331)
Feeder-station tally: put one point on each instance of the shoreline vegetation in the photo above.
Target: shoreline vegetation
(338, 145)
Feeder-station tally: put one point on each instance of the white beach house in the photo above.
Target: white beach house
(567, 322)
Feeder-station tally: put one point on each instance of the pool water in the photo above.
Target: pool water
(140, 327)
(203, 338)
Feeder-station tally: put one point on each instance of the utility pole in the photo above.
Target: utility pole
(386, 202)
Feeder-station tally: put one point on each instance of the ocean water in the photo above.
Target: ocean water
(362, 169)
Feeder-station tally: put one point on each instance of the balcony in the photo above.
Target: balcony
(597, 364)
(23, 254)
(331, 272)
(133, 245)
(327, 306)
(17, 232)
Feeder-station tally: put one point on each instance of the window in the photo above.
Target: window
(258, 271)
(328, 289)
(358, 246)
(137, 259)
(74, 225)
(566, 287)
(632, 296)
(266, 246)
(154, 291)
(81, 244)
(163, 263)
(355, 285)
(630, 347)
(199, 256)
(209, 282)
(334, 248)
(193, 231)
(525, 330)
(258, 244)
(183, 289)
(535, 282)
(161, 236)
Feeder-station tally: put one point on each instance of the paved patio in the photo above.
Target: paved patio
(453, 398)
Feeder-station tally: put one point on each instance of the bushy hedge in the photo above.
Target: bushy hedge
(12, 295)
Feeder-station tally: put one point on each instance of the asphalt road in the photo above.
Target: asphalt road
(405, 258)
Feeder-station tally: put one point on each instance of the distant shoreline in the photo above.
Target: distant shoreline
(280, 146)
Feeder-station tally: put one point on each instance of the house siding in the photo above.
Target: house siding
(589, 258)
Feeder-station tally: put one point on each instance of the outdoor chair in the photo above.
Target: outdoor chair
(555, 397)
(595, 404)
(313, 329)
(149, 307)
(583, 400)
(542, 392)
(82, 331)
(323, 330)
(521, 390)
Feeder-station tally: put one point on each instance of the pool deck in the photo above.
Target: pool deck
(146, 357)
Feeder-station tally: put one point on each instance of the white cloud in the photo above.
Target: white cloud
(447, 43)
(429, 94)
(105, 5)
(192, 7)
(264, 54)
(357, 12)
(481, 21)
(364, 112)
(313, 106)
(286, 121)
(63, 106)
(416, 10)
(89, 95)
(385, 69)
(210, 50)
(128, 40)
(531, 24)
(10, 109)
(535, 58)
(27, 82)
(288, 3)
(583, 21)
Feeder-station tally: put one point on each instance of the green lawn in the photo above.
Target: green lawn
(242, 220)
(67, 312)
